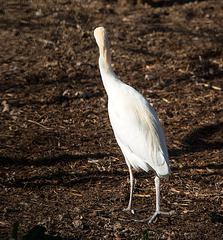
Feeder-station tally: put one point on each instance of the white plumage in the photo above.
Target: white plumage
(135, 124)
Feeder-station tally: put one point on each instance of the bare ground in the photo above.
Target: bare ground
(60, 164)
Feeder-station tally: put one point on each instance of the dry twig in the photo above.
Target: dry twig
(39, 124)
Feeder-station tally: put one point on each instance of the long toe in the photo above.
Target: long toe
(159, 213)
(150, 219)
(133, 210)
(153, 217)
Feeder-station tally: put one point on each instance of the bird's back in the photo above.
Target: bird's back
(138, 130)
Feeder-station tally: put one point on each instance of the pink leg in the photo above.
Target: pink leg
(130, 205)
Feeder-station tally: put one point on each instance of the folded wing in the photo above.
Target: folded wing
(138, 132)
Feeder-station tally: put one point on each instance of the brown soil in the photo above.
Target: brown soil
(60, 164)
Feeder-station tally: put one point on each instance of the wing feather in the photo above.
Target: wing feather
(138, 132)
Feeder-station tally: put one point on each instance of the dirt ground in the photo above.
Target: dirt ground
(60, 164)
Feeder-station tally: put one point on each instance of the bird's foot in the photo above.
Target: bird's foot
(132, 210)
(155, 215)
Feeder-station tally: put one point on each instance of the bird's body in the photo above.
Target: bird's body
(138, 132)
(135, 124)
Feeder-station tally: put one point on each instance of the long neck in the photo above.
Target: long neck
(109, 78)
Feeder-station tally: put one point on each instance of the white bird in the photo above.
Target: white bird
(135, 124)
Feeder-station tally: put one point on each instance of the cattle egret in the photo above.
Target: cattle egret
(135, 124)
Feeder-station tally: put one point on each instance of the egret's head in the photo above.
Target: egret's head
(101, 37)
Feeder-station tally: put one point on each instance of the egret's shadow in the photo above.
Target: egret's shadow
(201, 139)
(49, 161)
(61, 176)
(209, 137)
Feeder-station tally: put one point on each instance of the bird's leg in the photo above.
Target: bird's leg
(130, 205)
(157, 212)
(157, 185)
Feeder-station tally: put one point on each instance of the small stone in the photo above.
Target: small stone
(77, 224)
(149, 77)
